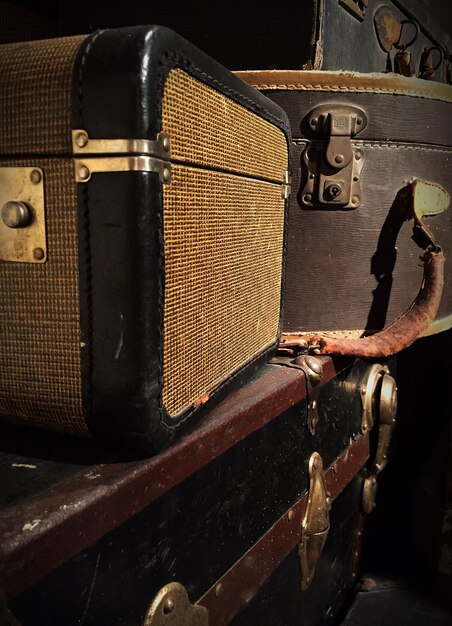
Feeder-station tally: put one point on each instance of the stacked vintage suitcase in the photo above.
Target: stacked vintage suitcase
(183, 261)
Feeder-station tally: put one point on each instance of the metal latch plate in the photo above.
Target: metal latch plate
(332, 165)
(24, 241)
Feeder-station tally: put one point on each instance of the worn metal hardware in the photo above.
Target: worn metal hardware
(22, 224)
(379, 397)
(316, 522)
(427, 67)
(333, 169)
(286, 186)
(82, 144)
(357, 8)
(172, 607)
(120, 155)
(387, 27)
(312, 368)
(84, 168)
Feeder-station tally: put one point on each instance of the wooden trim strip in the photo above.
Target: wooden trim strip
(242, 581)
(345, 82)
(42, 532)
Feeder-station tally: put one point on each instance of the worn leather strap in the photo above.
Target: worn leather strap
(422, 198)
(405, 330)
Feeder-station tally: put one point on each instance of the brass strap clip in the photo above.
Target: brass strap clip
(316, 522)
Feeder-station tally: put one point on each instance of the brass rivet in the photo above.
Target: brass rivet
(314, 121)
(168, 606)
(35, 177)
(38, 254)
(291, 515)
(358, 156)
(355, 200)
(307, 197)
(339, 158)
(83, 172)
(166, 175)
(219, 589)
(166, 144)
(81, 139)
(359, 121)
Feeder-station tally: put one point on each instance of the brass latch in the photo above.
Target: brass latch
(332, 166)
(22, 215)
(172, 607)
(379, 397)
(316, 522)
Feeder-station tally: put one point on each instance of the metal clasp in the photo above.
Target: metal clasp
(316, 522)
(379, 398)
(333, 169)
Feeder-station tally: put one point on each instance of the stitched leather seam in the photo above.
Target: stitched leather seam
(348, 89)
(395, 146)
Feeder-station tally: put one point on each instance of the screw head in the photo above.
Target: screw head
(15, 214)
(339, 158)
(81, 139)
(38, 254)
(168, 606)
(35, 177)
(83, 172)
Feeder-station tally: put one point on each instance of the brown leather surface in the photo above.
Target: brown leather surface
(359, 270)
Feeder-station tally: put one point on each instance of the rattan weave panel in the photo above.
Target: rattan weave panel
(35, 93)
(39, 317)
(207, 128)
(223, 239)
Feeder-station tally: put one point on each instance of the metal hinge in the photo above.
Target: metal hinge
(332, 166)
(379, 399)
(316, 522)
(312, 368)
(172, 606)
(120, 155)
(285, 188)
(22, 215)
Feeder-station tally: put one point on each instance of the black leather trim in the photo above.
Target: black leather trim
(120, 74)
(118, 86)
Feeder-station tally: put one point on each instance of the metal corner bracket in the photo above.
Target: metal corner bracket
(172, 607)
(120, 155)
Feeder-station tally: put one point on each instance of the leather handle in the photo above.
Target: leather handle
(405, 330)
(418, 199)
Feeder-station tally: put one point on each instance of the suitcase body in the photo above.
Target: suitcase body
(358, 250)
(358, 35)
(218, 512)
(140, 210)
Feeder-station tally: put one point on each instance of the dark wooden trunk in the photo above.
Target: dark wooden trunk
(84, 541)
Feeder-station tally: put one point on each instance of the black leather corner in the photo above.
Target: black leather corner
(120, 74)
(118, 86)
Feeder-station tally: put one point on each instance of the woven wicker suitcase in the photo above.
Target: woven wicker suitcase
(141, 235)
